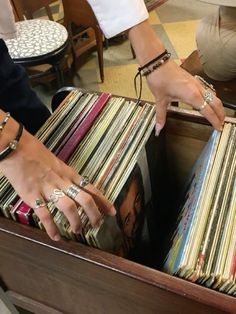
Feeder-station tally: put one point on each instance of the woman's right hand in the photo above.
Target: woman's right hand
(169, 82)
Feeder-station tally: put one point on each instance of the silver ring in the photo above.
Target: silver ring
(84, 181)
(56, 194)
(202, 106)
(208, 96)
(72, 191)
(39, 203)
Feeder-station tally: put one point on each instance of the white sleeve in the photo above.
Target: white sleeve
(116, 16)
(7, 20)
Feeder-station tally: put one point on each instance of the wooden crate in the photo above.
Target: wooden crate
(68, 277)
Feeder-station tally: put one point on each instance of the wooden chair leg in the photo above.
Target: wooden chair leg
(106, 43)
(99, 40)
(132, 51)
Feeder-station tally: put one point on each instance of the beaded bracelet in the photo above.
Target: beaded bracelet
(4, 121)
(13, 144)
(148, 68)
(152, 65)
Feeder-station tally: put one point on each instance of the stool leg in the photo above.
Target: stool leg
(59, 74)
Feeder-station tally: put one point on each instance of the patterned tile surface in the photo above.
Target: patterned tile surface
(183, 10)
(174, 22)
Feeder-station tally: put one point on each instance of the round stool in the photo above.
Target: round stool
(38, 42)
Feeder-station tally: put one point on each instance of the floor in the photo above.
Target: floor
(175, 22)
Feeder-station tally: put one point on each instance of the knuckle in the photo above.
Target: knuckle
(194, 92)
(96, 220)
(218, 103)
(68, 207)
(88, 201)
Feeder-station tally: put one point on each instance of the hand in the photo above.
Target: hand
(35, 173)
(171, 83)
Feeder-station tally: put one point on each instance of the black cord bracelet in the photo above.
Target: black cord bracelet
(147, 69)
(13, 144)
(152, 61)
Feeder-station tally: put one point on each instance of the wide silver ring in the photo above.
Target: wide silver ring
(84, 181)
(202, 106)
(56, 194)
(39, 203)
(72, 191)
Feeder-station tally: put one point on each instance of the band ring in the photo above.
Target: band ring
(84, 181)
(202, 106)
(56, 194)
(72, 191)
(39, 203)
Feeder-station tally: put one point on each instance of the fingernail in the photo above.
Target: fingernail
(113, 211)
(158, 129)
(57, 237)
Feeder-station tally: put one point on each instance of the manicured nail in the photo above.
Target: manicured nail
(57, 237)
(158, 129)
(113, 211)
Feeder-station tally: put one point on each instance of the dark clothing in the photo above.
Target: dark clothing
(16, 94)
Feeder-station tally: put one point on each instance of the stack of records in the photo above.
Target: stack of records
(203, 246)
(104, 138)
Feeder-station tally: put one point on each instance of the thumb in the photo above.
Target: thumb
(161, 109)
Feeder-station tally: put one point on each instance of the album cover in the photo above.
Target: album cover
(176, 261)
(127, 227)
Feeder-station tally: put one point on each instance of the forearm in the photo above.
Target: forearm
(145, 42)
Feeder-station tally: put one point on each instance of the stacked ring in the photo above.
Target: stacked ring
(72, 191)
(208, 93)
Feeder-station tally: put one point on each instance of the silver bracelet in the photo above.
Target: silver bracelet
(4, 121)
(13, 143)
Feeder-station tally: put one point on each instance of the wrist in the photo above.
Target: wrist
(9, 131)
(9, 137)
(145, 42)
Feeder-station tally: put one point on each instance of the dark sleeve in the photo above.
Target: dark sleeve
(17, 96)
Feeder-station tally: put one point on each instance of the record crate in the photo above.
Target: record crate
(43, 276)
